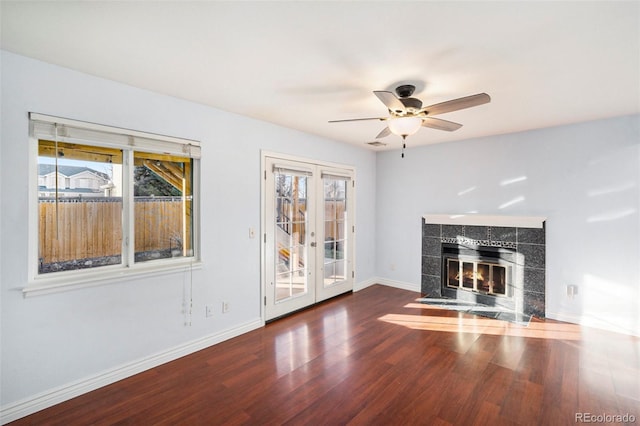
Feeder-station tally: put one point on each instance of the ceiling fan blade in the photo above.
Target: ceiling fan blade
(437, 123)
(357, 119)
(456, 104)
(384, 133)
(390, 101)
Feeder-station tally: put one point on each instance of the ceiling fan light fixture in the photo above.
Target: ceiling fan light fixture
(404, 126)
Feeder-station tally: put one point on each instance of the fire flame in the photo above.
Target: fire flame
(471, 275)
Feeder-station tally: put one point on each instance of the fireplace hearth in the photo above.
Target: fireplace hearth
(501, 266)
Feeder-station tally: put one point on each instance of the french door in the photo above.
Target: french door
(308, 233)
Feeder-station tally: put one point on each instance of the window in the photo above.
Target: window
(110, 200)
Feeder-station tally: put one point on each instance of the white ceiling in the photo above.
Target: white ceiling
(299, 64)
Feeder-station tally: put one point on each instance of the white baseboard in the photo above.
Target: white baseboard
(562, 317)
(591, 322)
(364, 284)
(399, 284)
(22, 408)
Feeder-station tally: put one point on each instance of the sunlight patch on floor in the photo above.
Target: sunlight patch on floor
(479, 325)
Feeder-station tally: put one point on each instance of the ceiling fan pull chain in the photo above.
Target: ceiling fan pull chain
(404, 145)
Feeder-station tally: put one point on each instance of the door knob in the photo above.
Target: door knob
(313, 244)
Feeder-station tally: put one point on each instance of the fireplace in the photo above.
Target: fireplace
(485, 260)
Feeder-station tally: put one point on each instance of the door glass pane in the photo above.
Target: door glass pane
(290, 235)
(283, 286)
(329, 272)
(335, 241)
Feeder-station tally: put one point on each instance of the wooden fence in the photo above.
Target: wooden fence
(88, 228)
(334, 211)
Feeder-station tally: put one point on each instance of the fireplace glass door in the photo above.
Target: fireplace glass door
(478, 276)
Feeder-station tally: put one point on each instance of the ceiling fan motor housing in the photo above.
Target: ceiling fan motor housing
(405, 90)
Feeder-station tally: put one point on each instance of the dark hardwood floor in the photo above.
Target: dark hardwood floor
(377, 357)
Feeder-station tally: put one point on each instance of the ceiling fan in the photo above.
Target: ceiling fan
(407, 115)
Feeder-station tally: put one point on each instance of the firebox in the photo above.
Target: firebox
(486, 272)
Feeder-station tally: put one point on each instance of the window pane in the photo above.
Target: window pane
(290, 231)
(79, 206)
(334, 272)
(163, 206)
(340, 248)
(329, 274)
(334, 188)
(283, 286)
(335, 239)
(340, 231)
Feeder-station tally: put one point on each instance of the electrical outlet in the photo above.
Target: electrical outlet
(208, 310)
(225, 307)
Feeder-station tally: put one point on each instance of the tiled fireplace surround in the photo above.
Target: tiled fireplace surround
(528, 244)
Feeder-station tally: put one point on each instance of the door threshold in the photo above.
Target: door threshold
(288, 314)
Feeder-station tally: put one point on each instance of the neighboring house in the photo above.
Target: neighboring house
(73, 181)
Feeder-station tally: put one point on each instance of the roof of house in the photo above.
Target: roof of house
(45, 169)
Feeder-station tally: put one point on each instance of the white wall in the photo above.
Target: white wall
(54, 342)
(584, 178)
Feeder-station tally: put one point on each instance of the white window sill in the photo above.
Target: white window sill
(73, 280)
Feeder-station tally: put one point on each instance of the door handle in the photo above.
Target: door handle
(313, 244)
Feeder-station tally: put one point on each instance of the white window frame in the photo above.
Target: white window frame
(43, 126)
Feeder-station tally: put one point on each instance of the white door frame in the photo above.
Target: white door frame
(265, 256)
